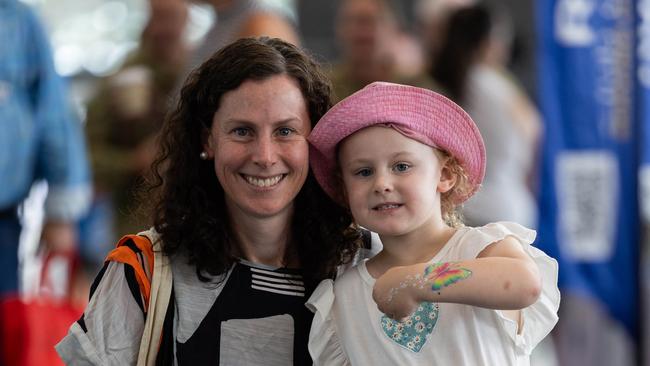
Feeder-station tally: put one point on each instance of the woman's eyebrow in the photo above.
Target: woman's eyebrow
(237, 121)
(249, 123)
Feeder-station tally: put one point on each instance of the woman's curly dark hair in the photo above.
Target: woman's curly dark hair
(189, 209)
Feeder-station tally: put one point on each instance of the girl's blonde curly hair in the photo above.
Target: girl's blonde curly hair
(462, 188)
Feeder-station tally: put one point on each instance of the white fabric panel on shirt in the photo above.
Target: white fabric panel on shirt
(257, 342)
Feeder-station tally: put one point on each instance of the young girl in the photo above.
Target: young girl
(402, 158)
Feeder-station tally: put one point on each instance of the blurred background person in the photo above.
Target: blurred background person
(470, 65)
(431, 17)
(122, 121)
(242, 18)
(374, 47)
(470, 62)
(40, 139)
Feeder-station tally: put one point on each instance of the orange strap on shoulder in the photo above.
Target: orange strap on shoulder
(123, 254)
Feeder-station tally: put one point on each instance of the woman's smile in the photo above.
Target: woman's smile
(263, 182)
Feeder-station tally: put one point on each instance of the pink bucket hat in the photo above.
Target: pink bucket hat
(417, 113)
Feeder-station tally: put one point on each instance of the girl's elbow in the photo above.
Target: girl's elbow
(533, 286)
(534, 291)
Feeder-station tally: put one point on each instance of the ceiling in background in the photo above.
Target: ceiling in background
(95, 36)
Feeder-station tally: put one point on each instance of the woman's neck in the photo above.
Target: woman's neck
(418, 246)
(262, 240)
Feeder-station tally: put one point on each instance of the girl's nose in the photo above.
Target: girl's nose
(383, 183)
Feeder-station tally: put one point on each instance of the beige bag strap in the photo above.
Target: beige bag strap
(161, 288)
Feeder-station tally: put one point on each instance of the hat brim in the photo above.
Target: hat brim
(434, 120)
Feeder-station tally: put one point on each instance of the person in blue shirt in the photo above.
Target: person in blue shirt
(40, 139)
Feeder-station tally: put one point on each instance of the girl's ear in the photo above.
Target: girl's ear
(447, 177)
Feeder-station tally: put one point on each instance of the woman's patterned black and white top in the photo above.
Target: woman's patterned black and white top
(257, 317)
(253, 315)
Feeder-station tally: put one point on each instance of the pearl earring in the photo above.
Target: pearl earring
(203, 155)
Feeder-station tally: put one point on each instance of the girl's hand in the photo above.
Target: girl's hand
(395, 294)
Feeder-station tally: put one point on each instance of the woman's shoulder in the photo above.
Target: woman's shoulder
(110, 329)
(152, 235)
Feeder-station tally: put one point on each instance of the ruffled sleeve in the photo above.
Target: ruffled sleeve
(540, 317)
(324, 344)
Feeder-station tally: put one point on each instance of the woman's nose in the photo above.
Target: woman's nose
(265, 153)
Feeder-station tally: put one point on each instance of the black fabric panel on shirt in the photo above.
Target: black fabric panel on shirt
(239, 301)
(165, 356)
(129, 274)
(97, 280)
(82, 323)
(93, 287)
(131, 245)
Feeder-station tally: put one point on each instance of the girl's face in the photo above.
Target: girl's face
(392, 183)
(259, 144)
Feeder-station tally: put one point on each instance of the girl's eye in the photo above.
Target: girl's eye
(363, 172)
(285, 131)
(240, 131)
(401, 167)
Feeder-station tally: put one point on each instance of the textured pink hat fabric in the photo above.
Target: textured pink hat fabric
(417, 113)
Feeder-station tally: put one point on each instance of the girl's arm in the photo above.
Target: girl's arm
(502, 277)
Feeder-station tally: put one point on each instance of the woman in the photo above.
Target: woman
(247, 231)
(471, 67)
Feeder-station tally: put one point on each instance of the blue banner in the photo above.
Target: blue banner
(588, 198)
(643, 95)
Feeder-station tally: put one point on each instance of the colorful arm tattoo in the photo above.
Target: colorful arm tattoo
(441, 275)
(437, 275)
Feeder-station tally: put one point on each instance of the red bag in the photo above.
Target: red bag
(30, 328)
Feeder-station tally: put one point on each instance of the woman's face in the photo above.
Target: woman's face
(259, 144)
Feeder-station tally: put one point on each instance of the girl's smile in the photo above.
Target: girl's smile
(387, 207)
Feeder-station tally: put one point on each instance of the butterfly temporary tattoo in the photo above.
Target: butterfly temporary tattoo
(437, 275)
(441, 275)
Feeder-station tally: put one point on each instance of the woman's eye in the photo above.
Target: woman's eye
(364, 172)
(240, 131)
(402, 167)
(285, 131)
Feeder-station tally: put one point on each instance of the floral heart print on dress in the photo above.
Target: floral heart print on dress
(412, 333)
